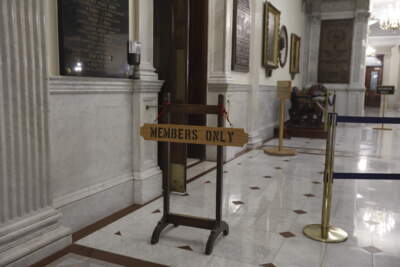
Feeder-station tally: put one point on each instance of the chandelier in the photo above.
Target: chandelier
(390, 20)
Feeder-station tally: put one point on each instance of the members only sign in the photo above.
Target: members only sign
(194, 134)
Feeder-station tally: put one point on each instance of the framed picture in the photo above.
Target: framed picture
(283, 47)
(272, 17)
(295, 54)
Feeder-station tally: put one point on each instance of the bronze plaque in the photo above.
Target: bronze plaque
(93, 37)
(241, 36)
(335, 51)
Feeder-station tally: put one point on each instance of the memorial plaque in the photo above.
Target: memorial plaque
(385, 90)
(241, 36)
(335, 51)
(93, 37)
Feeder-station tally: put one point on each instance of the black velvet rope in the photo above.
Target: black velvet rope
(366, 176)
(375, 120)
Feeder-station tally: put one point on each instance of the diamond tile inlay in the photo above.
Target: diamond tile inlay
(300, 212)
(287, 234)
(372, 249)
(186, 248)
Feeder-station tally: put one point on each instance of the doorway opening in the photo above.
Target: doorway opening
(180, 58)
(373, 79)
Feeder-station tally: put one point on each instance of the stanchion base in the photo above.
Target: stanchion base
(335, 235)
(383, 129)
(275, 151)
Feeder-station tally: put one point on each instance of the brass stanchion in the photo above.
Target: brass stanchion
(382, 128)
(284, 89)
(324, 232)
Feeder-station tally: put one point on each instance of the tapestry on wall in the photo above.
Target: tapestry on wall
(93, 37)
(241, 36)
(335, 51)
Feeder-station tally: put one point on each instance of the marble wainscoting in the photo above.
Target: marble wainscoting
(349, 99)
(96, 153)
(266, 115)
(237, 106)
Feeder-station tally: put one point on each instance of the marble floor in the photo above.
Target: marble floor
(268, 200)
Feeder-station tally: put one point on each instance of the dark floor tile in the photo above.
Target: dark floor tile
(287, 234)
(309, 195)
(118, 233)
(254, 188)
(300, 212)
(238, 202)
(372, 249)
(156, 211)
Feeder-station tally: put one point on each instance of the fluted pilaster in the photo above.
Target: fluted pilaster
(24, 157)
(25, 202)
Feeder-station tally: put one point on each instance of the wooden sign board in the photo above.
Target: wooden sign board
(284, 89)
(194, 134)
(385, 90)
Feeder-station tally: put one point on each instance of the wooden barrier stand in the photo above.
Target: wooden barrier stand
(384, 91)
(284, 92)
(219, 136)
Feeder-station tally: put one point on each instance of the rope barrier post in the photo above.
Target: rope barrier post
(284, 92)
(382, 128)
(326, 111)
(324, 232)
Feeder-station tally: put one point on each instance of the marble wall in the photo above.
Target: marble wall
(250, 97)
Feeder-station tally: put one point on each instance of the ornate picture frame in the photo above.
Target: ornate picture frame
(283, 46)
(272, 17)
(295, 54)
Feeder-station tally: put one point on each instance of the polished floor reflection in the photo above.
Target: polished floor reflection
(267, 202)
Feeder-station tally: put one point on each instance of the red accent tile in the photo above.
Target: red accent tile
(300, 212)
(287, 234)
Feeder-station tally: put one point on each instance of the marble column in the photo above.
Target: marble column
(28, 223)
(143, 25)
(146, 172)
(219, 43)
(311, 73)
